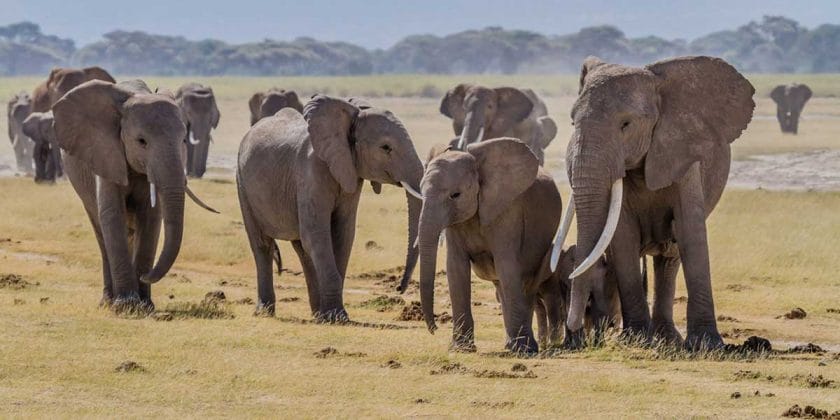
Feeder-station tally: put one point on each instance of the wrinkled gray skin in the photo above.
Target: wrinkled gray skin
(603, 309)
(19, 107)
(501, 112)
(299, 179)
(664, 131)
(266, 104)
(499, 209)
(38, 127)
(61, 80)
(201, 114)
(790, 100)
(119, 138)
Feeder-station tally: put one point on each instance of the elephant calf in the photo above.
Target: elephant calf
(266, 104)
(201, 114)
(38, 126)
(480, 113)
(19, 107)
(790, 100)
(299, 179)
(499, 209)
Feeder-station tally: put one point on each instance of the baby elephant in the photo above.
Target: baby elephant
(498, 208)
(18, 108)
(300, 178)
(554, 292)
(38, 126)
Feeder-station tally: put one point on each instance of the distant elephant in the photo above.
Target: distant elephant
(499, 209)
(266, 104)
(38, 126)
(790, 100)
(299, 179)
(19, 107)
(603, 308)
(200, 112)
(480, 113)
(47, 93)
(122, 147)
(661, 133)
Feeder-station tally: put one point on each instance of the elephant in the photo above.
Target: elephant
(499, 209)
(299, 179)
(122, 147)
(648, 161)
(790, 100)
(266, 104)
(553, 293)
(59, 82)
(480, 113)
(38, 126)
(198, 105)
(19, 107)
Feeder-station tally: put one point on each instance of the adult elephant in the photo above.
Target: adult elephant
(480, 113)
(19, 107)
(648, 162)
(499, 209)
(123, 154)
(790, 100)
(299, 179)
(266, 104)
(38, 126)
(201, 114)
(60, 81)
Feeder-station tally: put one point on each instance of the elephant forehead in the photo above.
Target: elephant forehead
(614, 90)
(155, 114)
(450, 168)
(375, 123)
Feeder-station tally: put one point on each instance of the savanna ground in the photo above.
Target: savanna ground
(772, 251)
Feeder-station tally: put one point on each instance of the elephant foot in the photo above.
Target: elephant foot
(525, 345)
(574, 340)
(703, 339)
(265, 310)
(132, 304)
(106, 301)
(462, 346)
(637, 333)
(666, 332)
(332, 316)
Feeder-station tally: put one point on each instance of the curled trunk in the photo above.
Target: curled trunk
(428, 244)
(414, 207)
(171, 195)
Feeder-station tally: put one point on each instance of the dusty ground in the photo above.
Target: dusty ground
(772, 252)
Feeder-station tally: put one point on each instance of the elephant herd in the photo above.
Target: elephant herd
(647, 162)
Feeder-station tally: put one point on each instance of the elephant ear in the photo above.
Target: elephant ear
(439, 149)
(329, 122)
(805, 94)
(38, 126)
(215, 115)
(254, 105)
(98, 73)
(294, 101)
(452, 104)
(778, 94)
(506, 168)
(703, 103)
(589, 64)
(548, 129)
(87, 126)
(513, 106)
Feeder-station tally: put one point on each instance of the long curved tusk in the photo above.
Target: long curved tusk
(152, 194)
(562, 232)
(462, 142)
(411, 190)
(616, 193)
(193, 140)
(199, 202)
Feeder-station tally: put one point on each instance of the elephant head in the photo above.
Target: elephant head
(361, 142)
(120, 131)
(790, 100)
(38, 126)
(19, 107)
(200, 112)
(479, 113)
(61, 80)
(656, 121)
(481, 182)
(264, 104)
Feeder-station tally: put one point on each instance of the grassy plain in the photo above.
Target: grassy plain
(59, 353)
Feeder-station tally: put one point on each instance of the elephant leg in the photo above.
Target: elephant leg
(146, 236)
(317, 241)
(794, 122)
(310, 276)
(41, 153)
(781, 116)
(261, 247)
(665, 271)
(518, 307)
(113, 219)
(107, 284)
(690, 224)
(624, 255)
(542, 321)
(460, 293)
(343, 226)
(56, 156)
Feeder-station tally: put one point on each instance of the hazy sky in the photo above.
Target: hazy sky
(380, 23)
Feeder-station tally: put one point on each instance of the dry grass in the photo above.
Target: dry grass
(771, 251)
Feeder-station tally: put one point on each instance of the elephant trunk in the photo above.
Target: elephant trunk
(430, 230)
(415, 205)
(171, 194)
(199, 145)
(473, 131)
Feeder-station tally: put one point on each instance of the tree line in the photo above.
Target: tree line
(776, 44)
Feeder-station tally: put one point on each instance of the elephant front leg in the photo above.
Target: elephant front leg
(113, 222)
(311, 277)
(690, 224)
(624, 255)
(460, 292)
(317, 241)
(665, 274)
(517, 309)
(145, 246)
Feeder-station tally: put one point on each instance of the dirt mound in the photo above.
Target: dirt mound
(392, 364)
(812, 381)
(383, 303)
(414, 312)
(373, 246)
(216, 296)
(129, 366)
(810, 412)
(753, 344)
(806, 348)
(328, 352)
(14, 282)
(795, 313)
(455, 368)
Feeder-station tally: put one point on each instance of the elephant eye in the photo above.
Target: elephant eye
(624, 125)
(142, 141)
(455, 195)
(386, 148)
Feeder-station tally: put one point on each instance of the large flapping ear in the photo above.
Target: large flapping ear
(452, 104)
(38, 126)
(254, 105)
(703, 102)
(804, 94)
(778, 94)
(548, 130)
(87, 126)
(330, 120)
(98, 73)
(215, 115)
(294, 101)
(589, 64)
(513, 106)
(506, 168)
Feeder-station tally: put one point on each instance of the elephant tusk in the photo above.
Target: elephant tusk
(411, 190)
(193, 140)
(462, 142)
(200, 203)
(616, 193)
(152, 194)
(562, 232)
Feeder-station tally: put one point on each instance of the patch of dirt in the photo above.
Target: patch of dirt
(680, 299)
(737, 287)
(455, 368)
(519, 367)
(383, 303)
(392, 364)
(44, 300)
(810, 412)
(14, 282)
(811, 170)
(373, 246)
(414, 312)
(206, 309)
(289, 299)
(129, 366)
(327, 352)
(244, 301)
(805, 348)
(19, 301)
(180, 278)
(753, 344)
(230, 282)
(725, 318)
(492, 404)
(833, 310)
(162, 316)
(812, 381)
(735, 395)
(422, 401)
(795, 313)
(216, 296)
